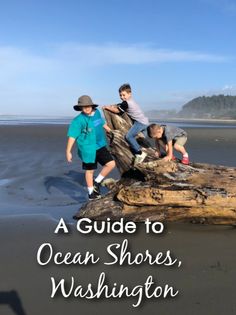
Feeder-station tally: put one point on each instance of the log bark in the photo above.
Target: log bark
(163, 191)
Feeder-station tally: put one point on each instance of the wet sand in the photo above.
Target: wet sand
(37, 187)
(206, 279)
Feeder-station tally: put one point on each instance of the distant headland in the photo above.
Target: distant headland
(222, 107)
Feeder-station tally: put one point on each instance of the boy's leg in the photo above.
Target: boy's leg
(107, 168)
(89, 171)
(131, 139)
(89, 180)
(180, 149)
(104, 158)
(132, 133)
(179, 146)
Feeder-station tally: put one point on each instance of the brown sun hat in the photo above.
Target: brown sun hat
(83, 101)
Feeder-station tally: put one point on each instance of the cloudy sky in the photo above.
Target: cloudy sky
(53, 51)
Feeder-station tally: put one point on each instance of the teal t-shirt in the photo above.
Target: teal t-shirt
(89, 134)
(98, 123)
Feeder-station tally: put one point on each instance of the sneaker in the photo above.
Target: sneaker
(96, 187)
(139, 158)
(94, 195)
(185, 160)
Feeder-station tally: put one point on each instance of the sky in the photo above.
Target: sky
(52, 52)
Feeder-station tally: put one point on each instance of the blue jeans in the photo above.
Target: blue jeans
(132, 133)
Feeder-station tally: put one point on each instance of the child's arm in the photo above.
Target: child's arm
(69, 147)
(158, 148)
(112, 108)
(169, 151)
(108, 129)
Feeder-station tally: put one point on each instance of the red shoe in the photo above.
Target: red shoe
(173, 158)
(185, 160)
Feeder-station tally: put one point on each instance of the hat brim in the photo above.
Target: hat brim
(79, 108)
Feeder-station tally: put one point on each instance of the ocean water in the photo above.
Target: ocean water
(197, 123)
(33, 120)
(55, 120)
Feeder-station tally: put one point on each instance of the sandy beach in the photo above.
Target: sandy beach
(38, 187)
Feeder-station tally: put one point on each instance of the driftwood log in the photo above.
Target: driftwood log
(163, 191)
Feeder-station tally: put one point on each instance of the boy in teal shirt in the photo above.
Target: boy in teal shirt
(87, 130)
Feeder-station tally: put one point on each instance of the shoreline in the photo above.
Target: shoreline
(196, 120)
(62, 120)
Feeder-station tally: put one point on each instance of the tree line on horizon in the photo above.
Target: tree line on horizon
(208, 107)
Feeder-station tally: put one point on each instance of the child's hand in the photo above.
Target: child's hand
(69, 157)
(110, 135)
(167, 158)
